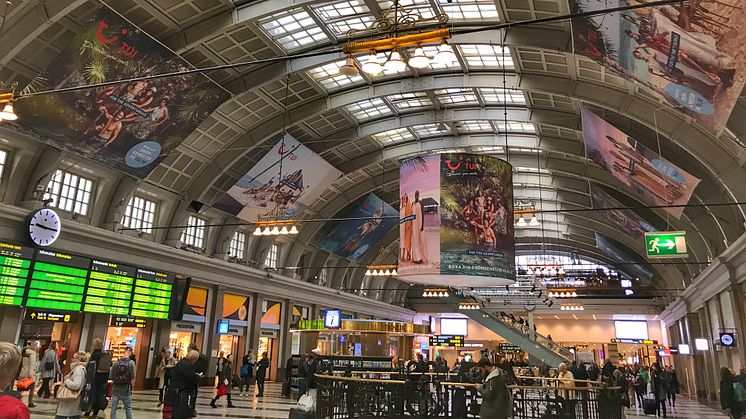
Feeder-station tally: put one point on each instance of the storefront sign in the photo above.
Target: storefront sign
(447, 340)
(667, 244)
(268, 333)
(186, 327)
(728, 339)
(224, 327)
(665, 352)
(51, 316)
(127, 321)
(635, 341)
(332, 319)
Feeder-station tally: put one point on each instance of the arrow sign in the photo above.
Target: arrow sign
(666, 244)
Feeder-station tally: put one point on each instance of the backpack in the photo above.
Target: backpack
(740, 392)
(104, 362)
(122, 372)
(185, 403)
(87, 395)
(245, 370)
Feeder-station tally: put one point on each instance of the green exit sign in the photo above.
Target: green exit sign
(666, 244)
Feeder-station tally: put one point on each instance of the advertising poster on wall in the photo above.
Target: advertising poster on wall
(476, 234)
(419, 216)
(305, 175)
(131, 126)
(614, 252)
(366, 225)
(691, 54)
(625, 219)
(235, 307)
(658, 181)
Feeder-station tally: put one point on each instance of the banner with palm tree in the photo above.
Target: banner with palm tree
(131, 126)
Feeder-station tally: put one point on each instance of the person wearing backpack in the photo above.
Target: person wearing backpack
(247, 372)
(69, 408)
(122, 376)
(102, 360)
(180, 396)
(49, 367)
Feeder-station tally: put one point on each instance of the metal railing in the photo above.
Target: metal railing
(435, 396)
(540, 339)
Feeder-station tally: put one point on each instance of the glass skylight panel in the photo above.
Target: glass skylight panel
(393, 136)
(469, 9)
(516, 127)
(418, 7)
(456, 96)
(69, 192)
(499, 95)
(486, 56)
(369, 108)
(342, 16)
(475, 126)
(489, 149)
(328, 76)
(405, 101)
(429, 130)
(293, 29)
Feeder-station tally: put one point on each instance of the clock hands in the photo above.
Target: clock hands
(45, 227)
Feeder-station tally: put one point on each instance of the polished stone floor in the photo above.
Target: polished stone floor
(274, 406)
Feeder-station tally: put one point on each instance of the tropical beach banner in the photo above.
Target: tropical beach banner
(456, 220)
(305, 175)
(657, 180)
(132, 126)
(626, 219)
(691, 54)
(365, 226)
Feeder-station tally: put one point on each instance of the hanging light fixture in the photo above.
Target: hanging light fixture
(267, 231)
(561, 271)
(521, 222)
(445, 54)
(394, 272)
(349, 68)
(372, 66)
(258, 231)
(7, 114)
(395, 64)
(534, 221)
(368, 273)
(293, 230)
(275, 231)
(419, 59)
(284, 230)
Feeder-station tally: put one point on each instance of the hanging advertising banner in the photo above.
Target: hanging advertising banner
(625, 219)
(690, 54)
(365, 227)
(132, 126)
(305, 175)
(471, 221)
(658, 181)
(613, 251)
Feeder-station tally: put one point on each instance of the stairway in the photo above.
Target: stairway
(541, 348)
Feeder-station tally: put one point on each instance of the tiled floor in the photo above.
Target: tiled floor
(274, 406)
(271, 406)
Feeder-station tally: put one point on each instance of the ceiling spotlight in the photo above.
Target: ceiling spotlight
(419, 59)
(258, 231)
(445, 54)
(395, 63)
(349, 68)
(372, 66)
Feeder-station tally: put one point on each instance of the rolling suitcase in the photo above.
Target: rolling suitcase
(649, 406)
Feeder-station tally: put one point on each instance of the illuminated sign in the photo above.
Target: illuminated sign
(684, 349)
(152, 294)
(127, 321)
(635, 341)
(728, 339)
(701, 344)
(447, 340)
(15, 262)
(51, 316)
(109, 288)
(224, 327)
(332, 319)
(58, 281)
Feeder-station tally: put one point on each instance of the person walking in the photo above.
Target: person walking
(10, 360)
(49, 367)
(224, 382)
(74, 381)
(102, 359)
(122, 376)
(729, 398)
(30, 369)
(621, 381)
(659, 390)
(672, 385)
(261, 373)
(183, 378)
(219, 368)
(247, 372)
(495, 398)
(164, 374)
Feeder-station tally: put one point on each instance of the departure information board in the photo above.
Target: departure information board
(447, 340)
(15, 262)
(109, 288)
(152, 294)
(57, 281)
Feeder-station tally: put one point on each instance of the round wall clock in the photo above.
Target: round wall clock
(44, 227)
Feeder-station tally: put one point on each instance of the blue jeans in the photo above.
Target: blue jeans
(126, 400)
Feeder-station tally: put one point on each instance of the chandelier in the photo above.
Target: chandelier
(275, 228)
(7, 95)
(381, 270)
(572, 307)
(390, 34)
(468, 306)
(434, 292)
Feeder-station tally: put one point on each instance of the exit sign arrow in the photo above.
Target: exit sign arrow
(666, 244)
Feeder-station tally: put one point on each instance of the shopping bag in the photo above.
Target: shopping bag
(222, 390)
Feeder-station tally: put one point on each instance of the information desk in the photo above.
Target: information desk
(57, 281)
(109, 288)
(152, 294)
(15, 262)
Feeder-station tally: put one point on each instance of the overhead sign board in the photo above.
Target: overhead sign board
(224, 327)
(635, 341)
(447, 340)
(332, 319)
(728, 339)
(127, 321)
(666, 244)
(50, 316)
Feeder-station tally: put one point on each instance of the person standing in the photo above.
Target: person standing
(288, 377)
(164, 374)
(122, 376)
(728, 396)
(261, 373)
(608, 369)
(30, 369)
(10, 360)
(183, 377)
(659, 390)
(247, 372)
(49, 367)
(75, 381)
(621, 381)
(100, 383)
(224, 381)
(494, 391)
(672, 385)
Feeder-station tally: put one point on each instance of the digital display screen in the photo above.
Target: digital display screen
(447, 340)
(15, 263)
(57, 281)
(224, 327)
(630, 329)
(457, 327)
(152, 294)
(109, 288)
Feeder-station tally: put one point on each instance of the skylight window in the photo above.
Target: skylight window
(293, 29)
(530, 169)
(393, 136)
(418, 7)
(469, 9)
(499, 95)
(430, 130)
(516, 127)
(342, 16)
(486, 56)
(367, 109)
(405, 101)
(475, 126)
(456, 96)
(329, 78)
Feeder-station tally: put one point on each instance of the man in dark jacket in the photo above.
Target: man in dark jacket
(495, 397)
(608, 369)
(594, 372)
(183, 377)
(261, 373)
(313, 366)
(200, 367)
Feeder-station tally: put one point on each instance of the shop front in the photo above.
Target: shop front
(43, 327)
(269, 336)
(127, 332)
(190, 329)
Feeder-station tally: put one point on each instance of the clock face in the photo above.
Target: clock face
(44, 227)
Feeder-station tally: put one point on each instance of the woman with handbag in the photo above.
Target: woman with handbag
(224, 381)
(72, 384)
(49, 367)
(29, 372)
